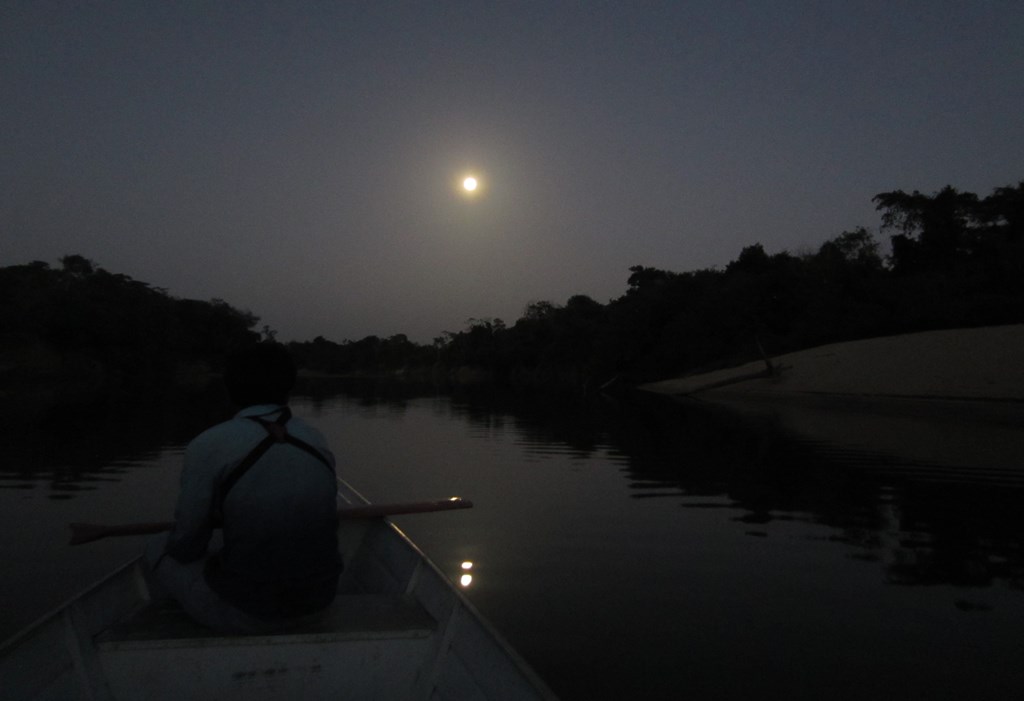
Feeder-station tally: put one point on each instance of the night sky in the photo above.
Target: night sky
(301, 159)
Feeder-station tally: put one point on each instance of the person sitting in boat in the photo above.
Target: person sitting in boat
(267, 480)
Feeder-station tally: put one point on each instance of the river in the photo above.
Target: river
(628, 548)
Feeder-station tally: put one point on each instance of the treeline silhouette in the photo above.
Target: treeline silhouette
(956, 260)
(78, 333)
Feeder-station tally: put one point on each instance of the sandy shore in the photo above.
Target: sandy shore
(966, 364)
(949, 400)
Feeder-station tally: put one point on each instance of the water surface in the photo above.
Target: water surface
(629, 548)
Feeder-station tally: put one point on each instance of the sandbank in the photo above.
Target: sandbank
(946, 404)
(963, 364)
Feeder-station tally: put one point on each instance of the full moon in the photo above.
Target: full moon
(469, 184)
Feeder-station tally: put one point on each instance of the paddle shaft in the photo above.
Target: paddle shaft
(87, 532)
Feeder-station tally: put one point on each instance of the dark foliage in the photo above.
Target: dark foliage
(372, 356)
(956, 260)
(80, 330)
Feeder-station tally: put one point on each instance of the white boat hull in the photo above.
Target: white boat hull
(398, 630)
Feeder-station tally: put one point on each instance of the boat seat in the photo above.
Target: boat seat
(350, 617)
(368, 645)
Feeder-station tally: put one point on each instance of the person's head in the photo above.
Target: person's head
(259, 374)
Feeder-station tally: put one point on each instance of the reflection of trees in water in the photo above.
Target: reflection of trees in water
(76, 451)
(962, 534)
(392, 394)
(580, 426)
(923, 524)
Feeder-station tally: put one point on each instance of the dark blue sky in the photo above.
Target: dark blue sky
(299, 159)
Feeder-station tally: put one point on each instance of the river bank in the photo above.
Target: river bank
(906, 396)
(964, 364)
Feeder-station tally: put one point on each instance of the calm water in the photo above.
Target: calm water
(630, 549)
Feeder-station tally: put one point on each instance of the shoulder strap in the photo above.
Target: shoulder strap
(276, 433)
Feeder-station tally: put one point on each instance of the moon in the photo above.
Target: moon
(470, 184)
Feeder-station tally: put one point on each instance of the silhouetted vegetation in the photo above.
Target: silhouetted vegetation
(957, 260)
(78, 333)
(371, 356)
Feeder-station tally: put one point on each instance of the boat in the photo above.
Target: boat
(398, 629)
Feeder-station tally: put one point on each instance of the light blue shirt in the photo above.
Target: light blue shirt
(279, 518)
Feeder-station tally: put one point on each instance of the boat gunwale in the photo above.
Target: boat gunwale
(17, 638)
(132, 569)
(518, 661)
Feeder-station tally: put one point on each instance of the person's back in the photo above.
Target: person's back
(268, 480)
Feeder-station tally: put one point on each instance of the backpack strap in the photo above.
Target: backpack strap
(276, 433)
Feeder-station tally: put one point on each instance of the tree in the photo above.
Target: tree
(752, 259)
(539, 310)
(933, 229)
(1004, 210)
(857, 247)
(78, 266)
(645, 278)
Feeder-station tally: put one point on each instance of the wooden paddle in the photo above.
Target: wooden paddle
(88, 532)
